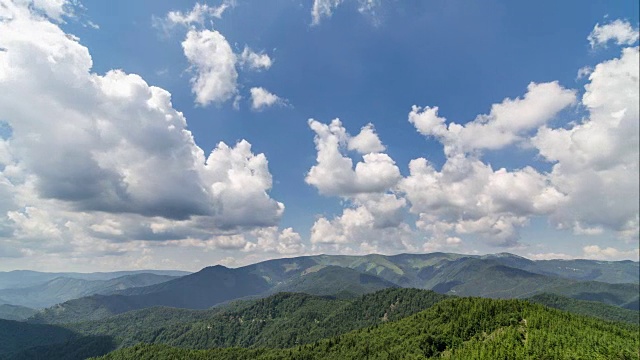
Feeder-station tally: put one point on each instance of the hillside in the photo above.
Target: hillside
(463, 328)
(62, 289)
(589, 308)
(335, 281)
(281, 320)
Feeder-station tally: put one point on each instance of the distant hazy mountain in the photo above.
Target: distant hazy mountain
(13, 312)
(26, 278)
(201, 290)
(495, 276)
(62, 289)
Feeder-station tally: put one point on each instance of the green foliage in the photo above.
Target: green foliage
(281, 320)
(463, 328)
(589, 308)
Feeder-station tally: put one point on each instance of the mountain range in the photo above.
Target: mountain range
(287, 303)
(494, 276)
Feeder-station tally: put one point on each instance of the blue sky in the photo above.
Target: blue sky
(360, 61)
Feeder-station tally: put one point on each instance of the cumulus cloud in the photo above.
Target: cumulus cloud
(261, 98)
(334, 173)
(372, 223)
(54, 9)
(366, 141)
(214, 64)
(619, 31)
(609, 253)
(468, 197)
(212, 60)
(596, 160)
(92, 162)
(507, 122)
(253, 60)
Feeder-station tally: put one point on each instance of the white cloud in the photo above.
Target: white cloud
(254, 60)
(214, 64)
(197, 16)
(596, 160)
(323, 8)
(373, 223)
(469, 197)
(583, 72)
(334, 173)
(594, 176)
(286, 242)
(366, 141)
(506, 124)
(100, 165)
(549, 256)
(54, 9)
(619, 31)
(261, 98)
(609, 253)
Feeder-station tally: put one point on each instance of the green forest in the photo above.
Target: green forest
(394, 323)
(457, 328)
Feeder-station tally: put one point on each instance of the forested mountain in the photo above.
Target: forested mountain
(462, 328)
(63, 288)
(589, 308)
(334, 280)
(26, 278)
(283, 320)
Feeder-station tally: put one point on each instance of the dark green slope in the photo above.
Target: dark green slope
(464, 328)
(17, 337)
(589, 308)
(13, 312)
(281, 320)
(206, 288)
